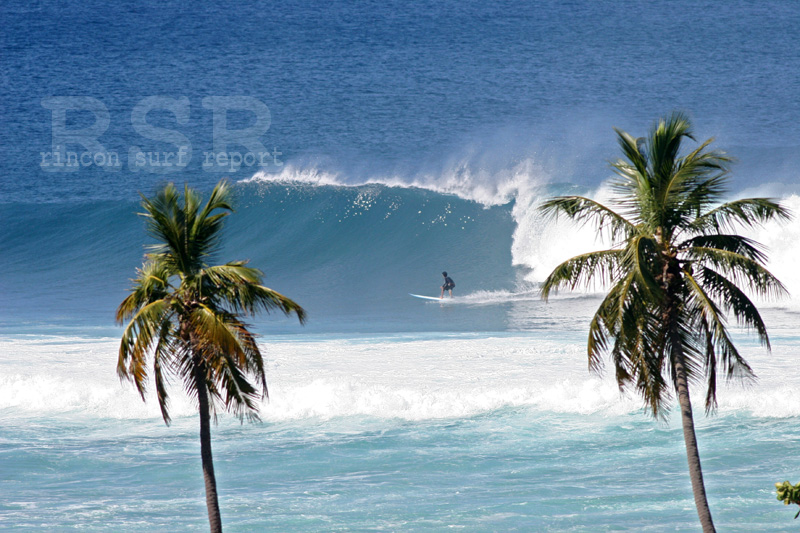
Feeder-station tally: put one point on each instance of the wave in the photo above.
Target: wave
(489, 188)
(538, 244)
(346, 248)
(780, 240)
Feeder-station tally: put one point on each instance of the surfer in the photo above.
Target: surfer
(449, 285)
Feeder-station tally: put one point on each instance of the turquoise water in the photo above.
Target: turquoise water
(413, 139)
(512, 469)
(408, 432)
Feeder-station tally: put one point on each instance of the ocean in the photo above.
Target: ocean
(390, 142)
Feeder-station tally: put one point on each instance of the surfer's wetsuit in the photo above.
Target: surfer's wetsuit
(448, 285)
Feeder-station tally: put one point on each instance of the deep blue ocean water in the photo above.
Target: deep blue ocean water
(402, 140)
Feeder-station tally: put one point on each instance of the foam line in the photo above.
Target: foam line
(395, 378)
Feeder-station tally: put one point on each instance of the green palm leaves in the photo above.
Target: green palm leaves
(788, 494)
(675, 267)
(183, 314)
(675, 270)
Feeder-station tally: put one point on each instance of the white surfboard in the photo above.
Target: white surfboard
(434, 298)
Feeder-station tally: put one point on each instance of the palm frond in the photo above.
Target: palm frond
(729, 243)
(718, 344)
(631, 148)
(205, 227)
(636, 352)
(740, 268)
(165, 223)
(240, 394)
(187, 235)
(228, 349)
(582, 271)
(150, 284)
(220, 198)
(735, 301)
(664, 143)
(641, 348)
(747, 212)
(697, 182)
(640, 256)
(584, 210)
(602, 327)
(607, 322)
(239, 287)
(138, 338)
(162, 363)
(211, 329)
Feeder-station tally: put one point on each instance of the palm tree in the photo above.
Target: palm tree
(187, 315)
(675, 268)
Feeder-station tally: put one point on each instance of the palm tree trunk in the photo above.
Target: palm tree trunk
(670, 280)
(214, 518)
(690, 438)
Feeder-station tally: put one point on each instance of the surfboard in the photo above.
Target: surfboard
(428, 297)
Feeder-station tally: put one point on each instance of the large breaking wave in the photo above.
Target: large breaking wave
(539, 244)
(348, 249)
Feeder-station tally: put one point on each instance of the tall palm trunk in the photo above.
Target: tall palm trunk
(214, 517)
(670, 281)
(690, 439)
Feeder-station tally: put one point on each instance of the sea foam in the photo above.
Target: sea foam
(394, 378)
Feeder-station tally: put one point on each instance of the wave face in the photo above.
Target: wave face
(537, 244)
(350, 253)
(341, 252)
